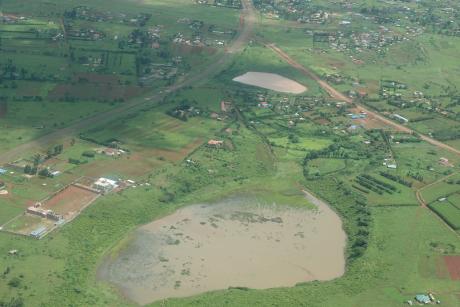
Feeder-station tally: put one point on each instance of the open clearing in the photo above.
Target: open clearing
(453, 266)
(272, 82)
(70, 201)
(236, 242)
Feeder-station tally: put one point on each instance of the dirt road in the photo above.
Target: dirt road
(247, 26)
(339, 96)
(419, 191)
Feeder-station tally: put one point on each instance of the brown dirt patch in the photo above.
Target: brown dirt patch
(94, 91)
(370, 122)
(70, 201)
(176, 155)
(453, 266)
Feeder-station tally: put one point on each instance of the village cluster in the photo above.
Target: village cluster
(67, 197)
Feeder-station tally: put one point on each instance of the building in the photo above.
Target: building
(105, 185)
(36, 210)
(225, 106)
(48, 214)
(445, 162)
(215, 143)
(37, 233)
(400, 118)
(264, 105)
(423, 299)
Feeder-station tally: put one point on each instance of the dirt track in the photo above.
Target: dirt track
(339, 96)
(247, 25)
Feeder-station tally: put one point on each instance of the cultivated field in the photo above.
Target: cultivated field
(138, 96)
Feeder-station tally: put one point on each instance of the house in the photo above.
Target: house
(111, 152)
(400, 118)
(3, 171)
(36, 210)
(353, 129)
(445, 162)
(105, 185)
(37, 233)
(423, 299)
(264, 105)
(225, 106)
(215, 143)
(55, 173)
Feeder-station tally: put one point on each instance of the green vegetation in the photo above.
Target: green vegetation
(171, 140)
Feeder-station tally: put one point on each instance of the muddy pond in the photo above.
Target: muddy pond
(272, 82)
(234, 243)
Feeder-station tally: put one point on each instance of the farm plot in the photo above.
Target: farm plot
(155, 130)
(70, 201)
(60, 207)
(25, 224)
(323, 166)
(441, 190)
(453, 266)
(448, 212)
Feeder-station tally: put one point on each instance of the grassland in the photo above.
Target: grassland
(395, 245)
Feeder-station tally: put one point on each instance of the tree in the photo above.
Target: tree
(58, 149)
(45, 173)
(37, 158)
(15, 282)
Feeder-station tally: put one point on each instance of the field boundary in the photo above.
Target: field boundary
(62, 221)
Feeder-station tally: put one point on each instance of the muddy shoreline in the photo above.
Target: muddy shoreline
(236, 242)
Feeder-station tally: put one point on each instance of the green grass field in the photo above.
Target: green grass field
(448, 212)
(395, 246)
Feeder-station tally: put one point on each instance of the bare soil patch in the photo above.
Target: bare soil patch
(271, 81)
(96, 91)
(70, 201)
(453, 266)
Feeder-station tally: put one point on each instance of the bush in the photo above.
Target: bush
(14, 302)
(14, 282)
(74, 161)
(45, 173)
(89, 154)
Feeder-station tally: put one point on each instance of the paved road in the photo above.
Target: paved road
(339, 96)
(248, 20)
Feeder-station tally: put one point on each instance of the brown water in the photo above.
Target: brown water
(233, 243)
(272, 82)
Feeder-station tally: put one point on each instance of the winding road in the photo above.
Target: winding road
(339, 96)
(248, 19)
(247, 23)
